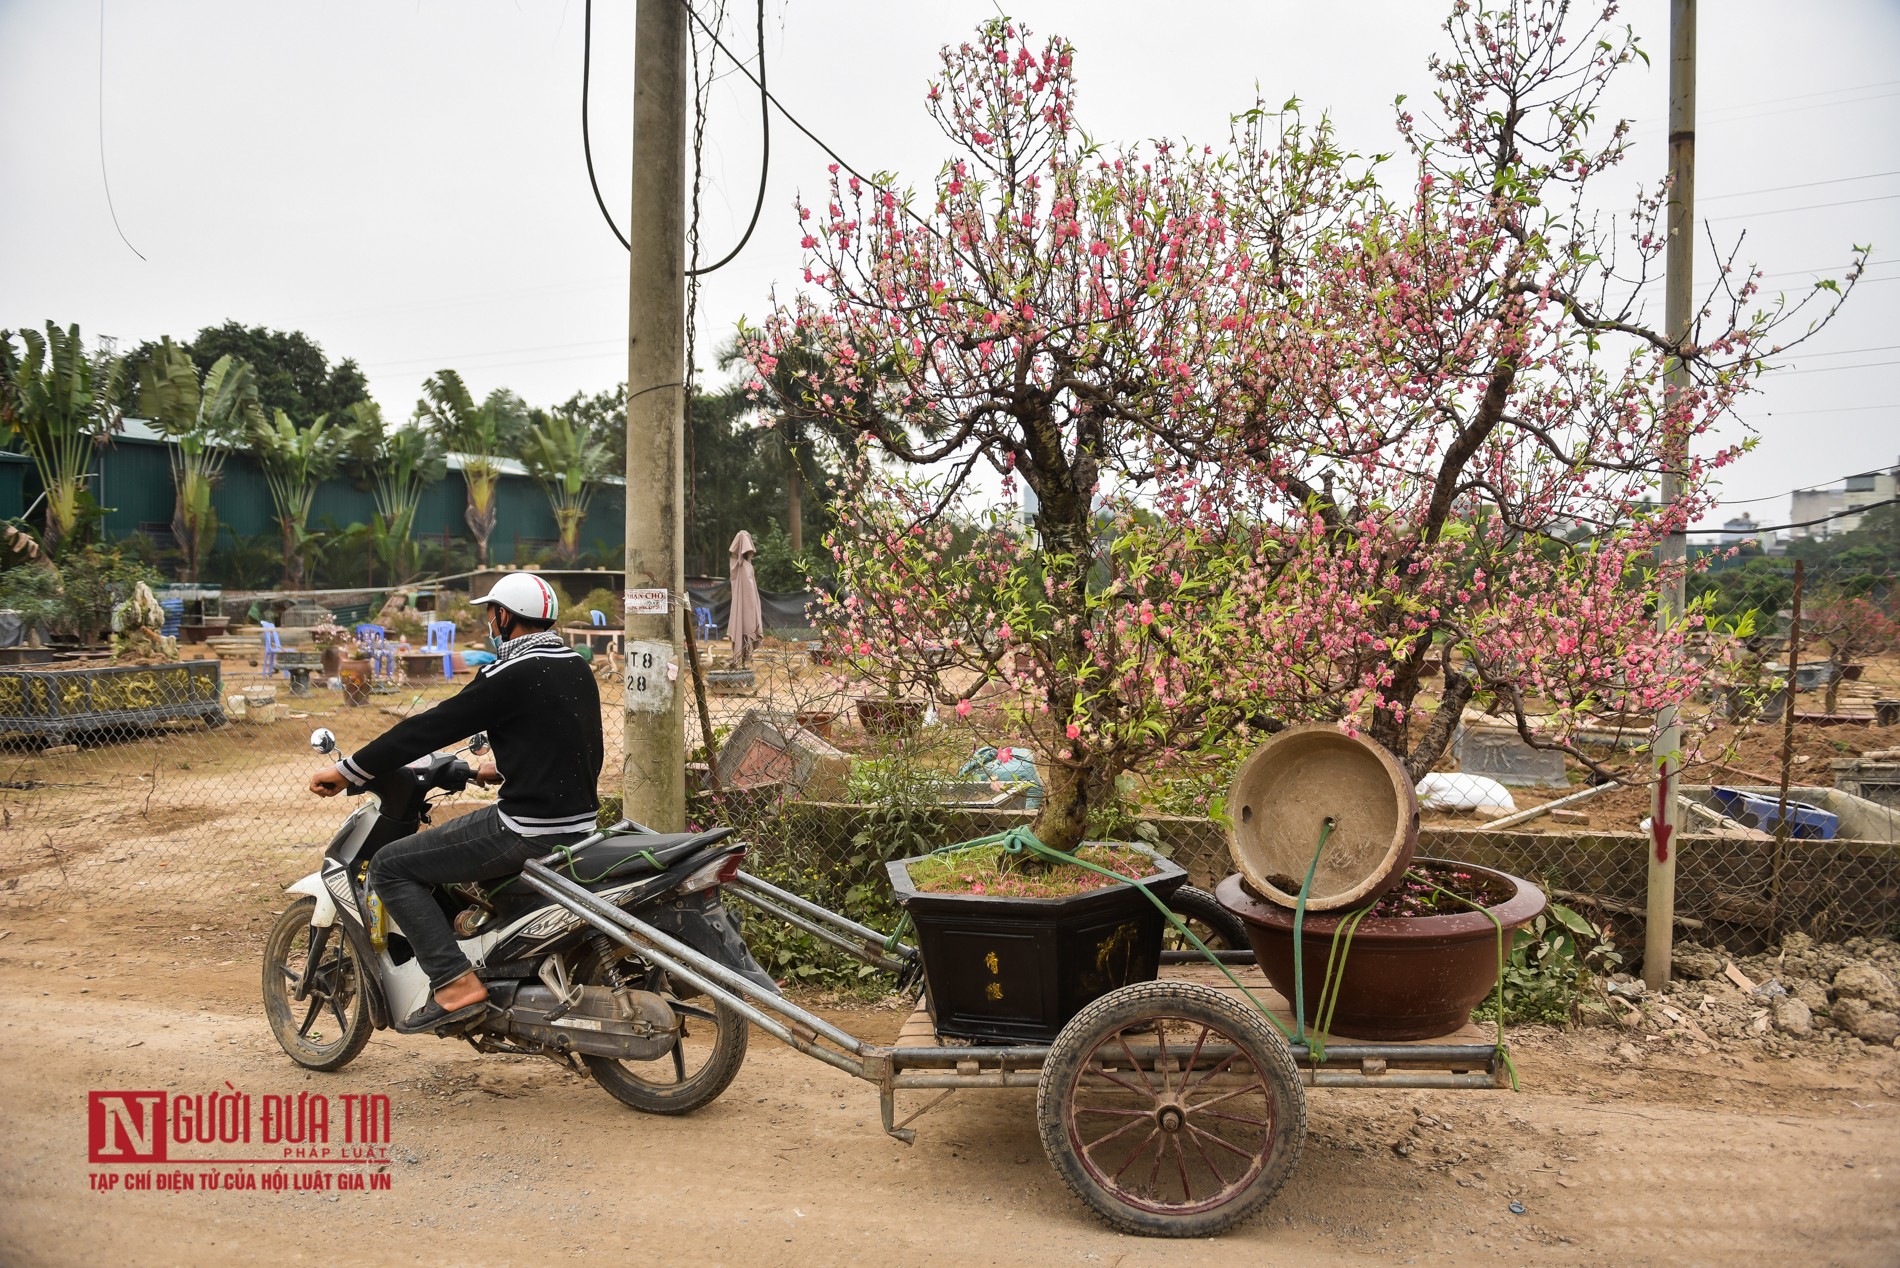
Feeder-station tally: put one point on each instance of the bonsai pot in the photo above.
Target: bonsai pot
(355, 676)
(817, 721)
(1016, 970)
(889, 715)
(1405, 977)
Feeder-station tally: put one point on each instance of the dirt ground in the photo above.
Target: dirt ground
(1669, 1154)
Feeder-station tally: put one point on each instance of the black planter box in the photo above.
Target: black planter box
(1015, 970)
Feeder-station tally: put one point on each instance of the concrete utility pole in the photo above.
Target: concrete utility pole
(1679, 278)
(653, 771)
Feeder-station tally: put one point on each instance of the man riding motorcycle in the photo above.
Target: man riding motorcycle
(540, 706)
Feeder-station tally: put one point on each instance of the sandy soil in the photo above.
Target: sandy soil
(1671, 1157)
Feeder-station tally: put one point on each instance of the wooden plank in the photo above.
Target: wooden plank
(917, 1031)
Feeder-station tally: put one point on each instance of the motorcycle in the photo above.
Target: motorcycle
(337, 967)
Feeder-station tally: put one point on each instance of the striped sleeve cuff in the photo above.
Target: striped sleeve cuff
(352, 772)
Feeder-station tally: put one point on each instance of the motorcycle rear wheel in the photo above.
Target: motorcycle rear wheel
(702, 1063)
(327, 1029)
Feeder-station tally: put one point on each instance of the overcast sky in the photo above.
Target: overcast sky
(404, 181)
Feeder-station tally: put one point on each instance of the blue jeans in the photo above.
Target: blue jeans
(475, 847)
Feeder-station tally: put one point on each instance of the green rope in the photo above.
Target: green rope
(1331, 986)
(904, 926)
(1299, 923)
(1504, 1053)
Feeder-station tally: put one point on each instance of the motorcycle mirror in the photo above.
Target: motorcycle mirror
(323, 739)
(478, 743)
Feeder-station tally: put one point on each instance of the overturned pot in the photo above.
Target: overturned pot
(1405, 976)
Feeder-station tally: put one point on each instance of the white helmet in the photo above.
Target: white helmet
(524, 594)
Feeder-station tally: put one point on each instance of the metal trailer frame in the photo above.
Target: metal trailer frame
(950, 1069)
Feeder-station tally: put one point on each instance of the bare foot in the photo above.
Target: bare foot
(463, 991)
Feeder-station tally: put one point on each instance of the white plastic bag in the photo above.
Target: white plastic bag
(1443, 790)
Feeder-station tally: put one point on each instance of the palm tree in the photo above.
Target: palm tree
(566, 463)
(406, 460)
(58, 402)
(474, 432)
(204, 418)
(295, 460)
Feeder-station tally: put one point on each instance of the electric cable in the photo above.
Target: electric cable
(587, 146)
(765, 129)
(765, 157)
(103, 178)
(1776, 528)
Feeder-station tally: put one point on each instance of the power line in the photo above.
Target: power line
(587, 145)
(1782, 189)
(1829, 369)
(765, 128)
(1776, 528)
(1806, 488)
(103, 178)
(1839, 409)
(765, 156)
(1845, 202)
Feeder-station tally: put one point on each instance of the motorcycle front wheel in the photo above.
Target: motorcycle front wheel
(329, 1026)
(703, 1061)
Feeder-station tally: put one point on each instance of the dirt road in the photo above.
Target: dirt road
(1672, 1158)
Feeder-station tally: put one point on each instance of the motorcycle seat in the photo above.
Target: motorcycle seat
(637, 854)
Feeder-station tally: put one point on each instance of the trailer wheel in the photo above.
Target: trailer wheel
(1171, 1109)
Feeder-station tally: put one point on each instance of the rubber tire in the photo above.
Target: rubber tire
(1146, 1001)
(295, 921)
(1193, 904)
(701, 1088)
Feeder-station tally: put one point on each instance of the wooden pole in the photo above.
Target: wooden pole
(1787, 742)
(1679, 278)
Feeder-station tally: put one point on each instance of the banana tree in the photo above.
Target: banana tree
(474, 432)
(203, 417)
(566, 463)
(295, 461)
(405, 460)
(57, 402)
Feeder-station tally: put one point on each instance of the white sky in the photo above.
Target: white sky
(404, 182)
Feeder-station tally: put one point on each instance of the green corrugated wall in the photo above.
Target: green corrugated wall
(135, 483)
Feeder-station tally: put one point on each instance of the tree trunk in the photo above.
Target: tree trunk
(1062, 823)
(1836, 675)
(795, 503)
(479, 527)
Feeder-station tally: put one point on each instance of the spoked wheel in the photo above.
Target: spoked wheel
(1212, 923)
(329, 1026)
(1171, 1110)
(701, 1065)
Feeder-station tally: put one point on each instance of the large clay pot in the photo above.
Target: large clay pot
(355, 675)
(331, 659)
(889, 715)
(1408, 977)
(1296, 782)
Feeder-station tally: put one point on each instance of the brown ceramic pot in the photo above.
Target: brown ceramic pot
(355, 676)
(1409, 977)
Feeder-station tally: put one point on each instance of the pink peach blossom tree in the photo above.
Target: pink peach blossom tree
(1289, 438)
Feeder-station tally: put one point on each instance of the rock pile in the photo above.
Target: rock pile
(1840, 994)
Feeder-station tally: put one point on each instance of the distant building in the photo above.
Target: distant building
(1734, 532)
(1856, 491)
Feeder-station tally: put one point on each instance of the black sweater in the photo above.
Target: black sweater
(541, 709)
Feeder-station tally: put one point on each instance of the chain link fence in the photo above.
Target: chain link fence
(121, 783)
